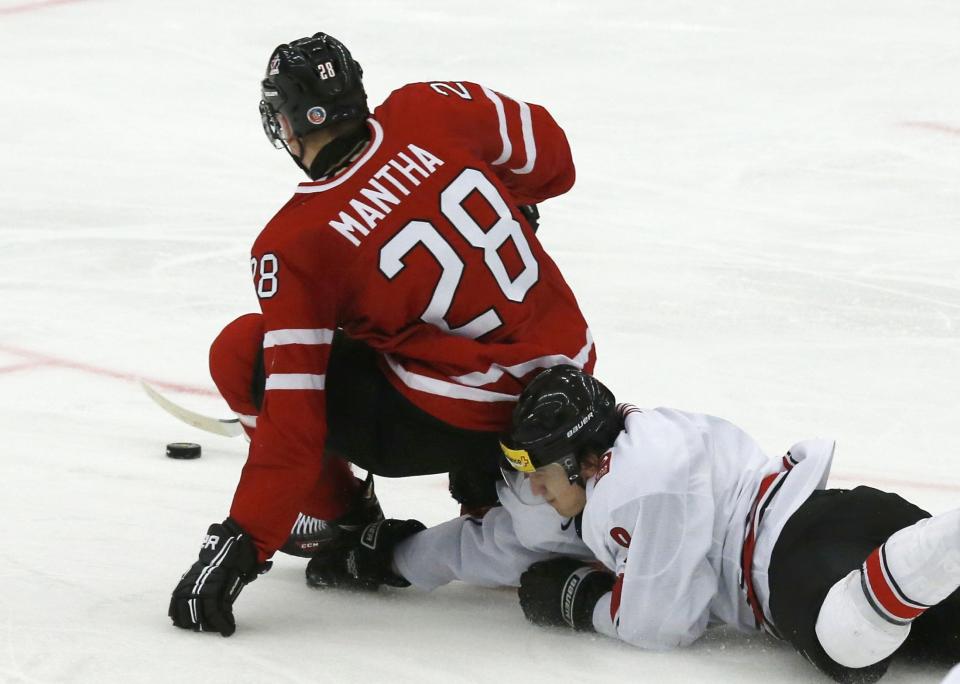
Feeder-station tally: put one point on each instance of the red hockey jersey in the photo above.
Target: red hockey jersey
(417, 249)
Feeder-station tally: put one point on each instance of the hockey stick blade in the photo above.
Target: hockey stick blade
(218, 426)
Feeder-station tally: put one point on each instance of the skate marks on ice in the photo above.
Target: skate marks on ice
(9, 8)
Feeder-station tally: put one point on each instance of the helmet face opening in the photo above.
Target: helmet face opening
(519, 470)
(275, 125)
(529, 487)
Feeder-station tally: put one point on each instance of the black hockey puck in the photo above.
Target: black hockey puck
(183, 450)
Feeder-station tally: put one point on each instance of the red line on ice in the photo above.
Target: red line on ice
(933, 126)
(30, 6)
(21, 366)
(26, 365)
(37, 359)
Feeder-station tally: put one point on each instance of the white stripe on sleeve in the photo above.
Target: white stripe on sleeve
(277, 338)
(502, 120)
(249, 421)
(529, 144)
(295, 381)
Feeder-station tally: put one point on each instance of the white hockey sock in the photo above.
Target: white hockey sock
(867, 615)
(850, 629)
(919, 564)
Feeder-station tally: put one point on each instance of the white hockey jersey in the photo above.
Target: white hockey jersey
(669, 512)
(491, 552)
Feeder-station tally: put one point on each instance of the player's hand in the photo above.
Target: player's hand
(203, 599)
(562, 592)
(532, 214)
(366, 565)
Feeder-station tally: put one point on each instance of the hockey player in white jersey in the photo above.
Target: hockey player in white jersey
(696, 525)
(693, 525)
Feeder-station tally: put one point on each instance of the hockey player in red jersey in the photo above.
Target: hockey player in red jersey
(408, 251)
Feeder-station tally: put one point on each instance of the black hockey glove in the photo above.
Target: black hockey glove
(203, 600)
(563, 592)
(475, 488)
(365, 565)
(532, 214)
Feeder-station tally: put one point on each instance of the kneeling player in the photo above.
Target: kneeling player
(694, 525)
(370, 426)
(410, 238)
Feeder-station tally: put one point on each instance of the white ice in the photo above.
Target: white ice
(765, 227)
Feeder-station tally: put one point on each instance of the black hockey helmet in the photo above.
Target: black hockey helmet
(561, 415)
(309, 85)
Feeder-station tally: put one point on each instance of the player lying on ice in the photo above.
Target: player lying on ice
(693, 525)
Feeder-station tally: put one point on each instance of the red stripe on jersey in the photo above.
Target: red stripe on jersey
(769, 486)
(884, 592)
(615, 599)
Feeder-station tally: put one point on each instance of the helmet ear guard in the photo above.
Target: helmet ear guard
(273, 125)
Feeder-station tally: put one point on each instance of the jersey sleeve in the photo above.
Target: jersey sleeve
(519, 142)
(286, 451)
(492, 551)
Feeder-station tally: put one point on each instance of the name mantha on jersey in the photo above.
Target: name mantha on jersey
(417, 248)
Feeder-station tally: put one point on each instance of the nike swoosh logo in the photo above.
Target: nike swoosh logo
(566, 526)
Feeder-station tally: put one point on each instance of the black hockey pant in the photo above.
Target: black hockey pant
(830, 535)
(375, 427)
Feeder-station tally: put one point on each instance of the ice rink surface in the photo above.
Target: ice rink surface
(764, 227)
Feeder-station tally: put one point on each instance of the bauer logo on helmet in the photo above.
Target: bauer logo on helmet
(576, 428)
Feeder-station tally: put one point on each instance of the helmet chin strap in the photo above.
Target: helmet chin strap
(297, 160)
